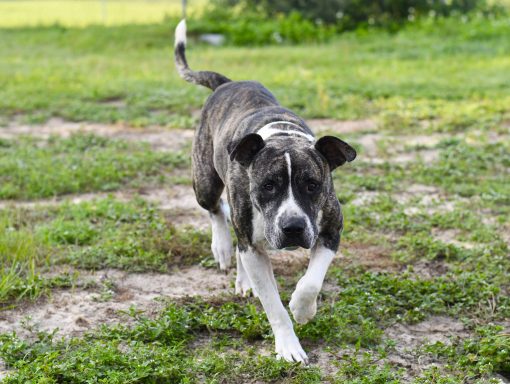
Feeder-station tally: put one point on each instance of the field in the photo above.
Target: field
(82, 13)
(106, 269)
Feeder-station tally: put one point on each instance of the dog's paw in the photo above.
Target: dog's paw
(303, 305)
(288, 348)
(243, 286)
(221, 247)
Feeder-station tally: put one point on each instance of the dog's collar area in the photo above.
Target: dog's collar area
(268, 130)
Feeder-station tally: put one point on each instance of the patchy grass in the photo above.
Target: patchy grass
(487, 351)
(81, 163)
(169, 347)
(97, 234)
(446, 240)
(23, 257)
(132, 236)
(20, 258)
(413, 80)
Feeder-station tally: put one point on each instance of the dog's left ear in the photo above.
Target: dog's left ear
(245, 149)
(336, 151)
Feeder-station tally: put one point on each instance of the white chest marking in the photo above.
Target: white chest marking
(267, 131)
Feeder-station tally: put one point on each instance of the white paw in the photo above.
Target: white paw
(289, 348)
(221, 245)
(243, 286)
(303, 305)
(222, 249)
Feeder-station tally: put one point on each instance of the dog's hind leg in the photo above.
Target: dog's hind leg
(221, 244)
(243, 283)
(208, 188)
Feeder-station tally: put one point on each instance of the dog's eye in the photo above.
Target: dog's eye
(312, 187)
(269, 186)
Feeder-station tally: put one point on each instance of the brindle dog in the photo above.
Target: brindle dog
(279, 188)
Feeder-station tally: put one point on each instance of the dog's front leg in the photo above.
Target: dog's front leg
(303, 304)
(260, 272)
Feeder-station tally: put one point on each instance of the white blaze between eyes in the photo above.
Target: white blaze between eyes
(290, 206)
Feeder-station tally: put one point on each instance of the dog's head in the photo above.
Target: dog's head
(290, 180)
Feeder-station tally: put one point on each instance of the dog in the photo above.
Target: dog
(279, 189)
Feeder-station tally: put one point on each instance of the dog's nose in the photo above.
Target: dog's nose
(294, 226)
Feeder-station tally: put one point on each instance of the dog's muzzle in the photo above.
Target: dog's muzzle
(295, 232)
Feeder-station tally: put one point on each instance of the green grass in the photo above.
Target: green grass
(132, 236)
(401, 79)
(81, 163)
(448, 78)
(20, 257)
(98, 234)
(155, 350)
(24, 256)
(80, 13)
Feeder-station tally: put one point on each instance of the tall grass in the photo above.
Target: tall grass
(20, 255)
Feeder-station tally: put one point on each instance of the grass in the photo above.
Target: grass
(132, 236)
(154, 350)
(81, 163)
(81, 13)
(20, 257)
(447, 79)
(103, 233)
(401, 79)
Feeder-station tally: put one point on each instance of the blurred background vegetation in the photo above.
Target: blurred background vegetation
(251, 22)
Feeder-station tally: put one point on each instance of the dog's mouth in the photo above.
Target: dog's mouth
(295, 242)
(290, 243)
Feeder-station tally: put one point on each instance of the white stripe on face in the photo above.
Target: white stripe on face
(289, 206)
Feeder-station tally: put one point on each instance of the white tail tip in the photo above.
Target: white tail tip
(180, 32)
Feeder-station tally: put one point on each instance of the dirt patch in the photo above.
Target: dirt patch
(424, 195)
(504, 232)
(288, 263)
(70, 199)
(369, 257)
(365, 197)
(78, 310)
(449, 236)
(378, 148)
(178, 203)
(427, 156)
(342, 126)
(427, 269)
(3, 370)
(369, 142)
(115, 102)
(159, 139)
(409, 338)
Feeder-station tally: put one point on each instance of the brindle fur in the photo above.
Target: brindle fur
(227, 152)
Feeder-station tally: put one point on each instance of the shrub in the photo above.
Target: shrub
(252, 28)
(350, 14)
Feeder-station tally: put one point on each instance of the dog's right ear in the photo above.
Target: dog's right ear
(244, 150)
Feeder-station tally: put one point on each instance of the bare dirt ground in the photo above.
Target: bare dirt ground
(90, 304)
(410, 337)
(159, 138)
(103, 297)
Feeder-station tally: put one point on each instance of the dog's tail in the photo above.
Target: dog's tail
(208, 79)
